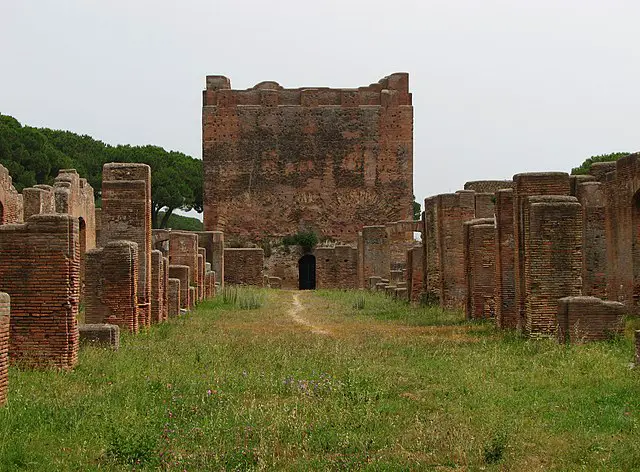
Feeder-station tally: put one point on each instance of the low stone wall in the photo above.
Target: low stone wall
(583, 319)
(243, 266)
(102, 335)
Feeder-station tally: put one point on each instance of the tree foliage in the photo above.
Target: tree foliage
(35, 156)
(585, 167)
(417, 209)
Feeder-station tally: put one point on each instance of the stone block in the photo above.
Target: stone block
(103, 335)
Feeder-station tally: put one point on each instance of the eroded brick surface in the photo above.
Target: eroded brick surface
(183, 250)
(157, 287)
(10, 199)
(506, 314)
(4, 345)
(414, 273)
(583, 319)
(244, 266)
(181, 273)
(213, 242)
(40, 270)
(479, 255)
(333, 160)
(336, 267)
(375, 250)
(594, 255)
(174, 293)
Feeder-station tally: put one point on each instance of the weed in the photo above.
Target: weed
(493, 451)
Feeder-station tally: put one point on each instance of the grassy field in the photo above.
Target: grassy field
(328, 381)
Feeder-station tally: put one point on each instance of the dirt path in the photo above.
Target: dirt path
(295, 313)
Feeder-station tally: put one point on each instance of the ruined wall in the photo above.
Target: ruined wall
(74, 196)
(126, 215)
(4, 345)
(38, 201)
(331, 160)
(583, 319)
(213, 242)
(181, 273)
(174, 294)
(485, 205)
(40, 270)
(524, 186)
(157, 287)
(201, 258)
(430, 251)
(244, 266)
(594, 255)
(415, 274)
(111, 287)
(183, 250)
(10, 199)
(375, 252)
(400, 234)
(479, 257)
(488, 186)
(622, 232)
(336, 267)
(453, 210)
(553, 259)
(506, 314)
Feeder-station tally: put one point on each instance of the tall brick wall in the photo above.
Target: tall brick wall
(553, 259)
(244, 266)
(4, 346)
(126, 215)
(332, 160)
(111, 289)
(10, 199)
(479, 257)
(452, 211)
(524, 186)
(583, 319)
(375, 252)
(213, 242)
(40, 270)
(506, 314)
(594, 255)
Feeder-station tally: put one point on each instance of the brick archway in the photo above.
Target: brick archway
(307, 272)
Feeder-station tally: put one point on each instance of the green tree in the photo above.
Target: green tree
(417, 209)
(585, 167)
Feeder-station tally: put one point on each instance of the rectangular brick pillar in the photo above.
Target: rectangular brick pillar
(193, 297)
(506, 314)
(376, 259)
(453, 209)
(524, 186)
(40, 270)
(637, 337)
(126, 216)
(157, 282)
(181, 272)
(553, 259)
(414, 273)
(479, 255)
(202, 257)
(183, 250)
(112, 285)
(4, 346)
(174, 298)
(213, 242)
(325, 267)
(165, 287)
(431, 254)
(594, 255)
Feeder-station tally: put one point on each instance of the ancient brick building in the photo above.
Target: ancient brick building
(4, 346)
(10, 199)
(280, 160)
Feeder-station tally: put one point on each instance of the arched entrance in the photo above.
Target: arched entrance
(307, 272)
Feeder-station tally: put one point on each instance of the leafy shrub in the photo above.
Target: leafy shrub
(306, 239)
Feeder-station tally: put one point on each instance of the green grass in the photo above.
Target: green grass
(389, 387)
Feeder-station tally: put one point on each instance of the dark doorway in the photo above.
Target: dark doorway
(1, 214)
(307, 272)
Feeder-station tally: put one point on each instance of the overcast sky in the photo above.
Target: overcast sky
(499, 87)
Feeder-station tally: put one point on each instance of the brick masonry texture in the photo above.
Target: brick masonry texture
(44, 308)
(637, 338)
(594, 255)
(165, 287)
(485, 205)
(104, 335)
(430, 252)
(375, 252)
(10, 199)
(400, 234)
(244, 266)
(414, 273)
(553, 259)
(112, 285)
(183, 250)
(201, 273)
(126, 215)
(479, 256)
(488, 186)
(174, 298)
(279, 160)
(583, 319)
(4, 346)
(157, 287)
(213, 242)
(506, 314)
(180, 272)
(336, 267)
(524, 186)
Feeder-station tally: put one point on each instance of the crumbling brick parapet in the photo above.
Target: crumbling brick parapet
(581, 319)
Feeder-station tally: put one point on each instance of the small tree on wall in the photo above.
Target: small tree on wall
(306, 239)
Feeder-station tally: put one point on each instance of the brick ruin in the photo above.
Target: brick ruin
(4, 345)
(244, 266)
(280, 160)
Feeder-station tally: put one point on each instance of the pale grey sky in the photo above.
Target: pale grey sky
(499, 86)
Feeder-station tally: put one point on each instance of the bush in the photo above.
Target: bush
(306, 239)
